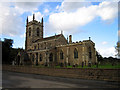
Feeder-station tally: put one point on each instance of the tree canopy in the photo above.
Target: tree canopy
(8, 53)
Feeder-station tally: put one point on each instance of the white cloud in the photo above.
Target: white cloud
(104, 42)
(57, 7)
(69, 18)
(11, 24)
(38, 16)
(107, 10)
(23, 35)
(71, 6)
(22, 7)
(69, 21)
(11, 19)
(107, 52)
(46, 11)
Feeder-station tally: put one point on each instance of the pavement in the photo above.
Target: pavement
(22, 80)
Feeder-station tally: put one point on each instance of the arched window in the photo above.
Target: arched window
(51, 57)
(61, 55)
(40, 57)
(33, 57)
(36, 58)
(38, 31)
(35, 47)
(75, 53)
(38, 45)
(90, 53)
(29, 31)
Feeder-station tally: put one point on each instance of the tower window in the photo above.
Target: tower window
(38, 32)
(75, 53)
(29, 31)
(90, 53)
(61, 55)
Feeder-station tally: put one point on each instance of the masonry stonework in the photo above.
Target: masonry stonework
(56, 50)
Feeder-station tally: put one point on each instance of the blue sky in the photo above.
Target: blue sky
(97, 20)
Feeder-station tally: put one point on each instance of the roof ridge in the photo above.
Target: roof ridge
(53, 36)
(49, 37)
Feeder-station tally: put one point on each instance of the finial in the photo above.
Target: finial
(42, 19)
(67, 38)
(61, 32)
(33, 17)
(55, 35)
(27, 20)
(89, 38)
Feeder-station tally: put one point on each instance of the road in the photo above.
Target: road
(22, 80)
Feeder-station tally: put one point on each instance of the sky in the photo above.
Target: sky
(81, 19)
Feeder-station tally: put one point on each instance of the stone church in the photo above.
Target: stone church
(56, 50)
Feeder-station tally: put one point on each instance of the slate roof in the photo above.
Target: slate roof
(48, 38)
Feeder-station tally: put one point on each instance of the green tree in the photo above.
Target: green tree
(6, 50)
(118, 49)
(99, 57)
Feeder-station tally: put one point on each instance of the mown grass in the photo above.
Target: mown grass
(105, 66)
(102, 66)
(109, 66)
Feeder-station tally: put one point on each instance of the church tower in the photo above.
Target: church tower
(34, 31)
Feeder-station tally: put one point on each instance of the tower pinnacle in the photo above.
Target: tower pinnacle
(89, 38)
(61, 32)
(27, 20)
(42, 20)
(33, 17)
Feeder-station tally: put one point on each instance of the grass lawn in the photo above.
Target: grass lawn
(99, 66)
(109, 66)
(105, 66)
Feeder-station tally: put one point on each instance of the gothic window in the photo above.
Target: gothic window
(38, 45)
(75, 53)
(61, 54)
(45, 45)
(51, 57)
(41, 46)
(33, 57)
(38, 32)
(40, 57)
(35, 47)
(90, 53)
(30, 31)
(36, 58)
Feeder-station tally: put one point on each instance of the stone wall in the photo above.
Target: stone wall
(83, 48)
(96, 74)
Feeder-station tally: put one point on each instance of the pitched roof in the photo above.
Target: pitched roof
(48, 38)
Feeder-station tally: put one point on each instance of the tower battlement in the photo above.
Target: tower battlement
(34, 31)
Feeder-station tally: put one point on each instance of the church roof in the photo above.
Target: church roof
(49, 38)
